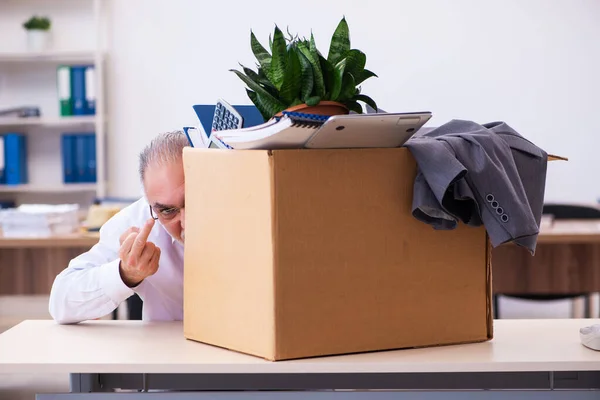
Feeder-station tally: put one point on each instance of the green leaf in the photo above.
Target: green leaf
(340, 42)
(354, 106)
(264, 96)
(366, 74)
(355, 62)
(312, 46)
(292, 80)
(279, 59)
(366, 99)
(319, 84)
(327, 69)
(348, 87)
(262, 55)
(307, 76)
(257, 77)
(313, 100)
(338, 74)
(254, 98)
(271, 108)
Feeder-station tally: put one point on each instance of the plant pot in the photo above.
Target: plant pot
(322, 108)
(37, 40)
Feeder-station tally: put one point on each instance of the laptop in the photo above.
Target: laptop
(372, 130)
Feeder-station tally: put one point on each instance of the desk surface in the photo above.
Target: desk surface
(571, 231)
(136, 347)
(73, 240)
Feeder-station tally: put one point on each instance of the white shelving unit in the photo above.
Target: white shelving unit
(30, 79)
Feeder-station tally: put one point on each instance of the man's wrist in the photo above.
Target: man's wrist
(128, 282)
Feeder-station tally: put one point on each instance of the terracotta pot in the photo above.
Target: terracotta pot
(323, 108)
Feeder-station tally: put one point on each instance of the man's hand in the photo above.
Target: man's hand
(139, 258)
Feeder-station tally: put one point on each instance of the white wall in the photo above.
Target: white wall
(534, 64)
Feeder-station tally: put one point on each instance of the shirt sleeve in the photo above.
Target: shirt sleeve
(91, 286)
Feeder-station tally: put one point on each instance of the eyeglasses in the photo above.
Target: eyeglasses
(166, 214)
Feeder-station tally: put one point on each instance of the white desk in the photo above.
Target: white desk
(102, 355)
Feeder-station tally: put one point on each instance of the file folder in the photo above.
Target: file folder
(78, 90)
(63, 77)
(68, 157)
(15, 156)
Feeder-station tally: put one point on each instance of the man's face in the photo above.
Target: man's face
(164, 186)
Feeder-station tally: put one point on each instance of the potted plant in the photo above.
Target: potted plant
(295, 76)
(38, 29)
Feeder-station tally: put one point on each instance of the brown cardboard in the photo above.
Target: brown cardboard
(301, 253)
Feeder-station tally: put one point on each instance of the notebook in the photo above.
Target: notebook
(288, 132)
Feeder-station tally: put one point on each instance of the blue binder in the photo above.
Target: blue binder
(90, 148)
(68, 157)
(2, 161)
(81, 166)
(90, 90)
(15, 157)
(78, 89)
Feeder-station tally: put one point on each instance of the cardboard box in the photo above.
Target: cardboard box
(300, 253)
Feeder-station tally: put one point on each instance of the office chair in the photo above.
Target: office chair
(134, 308)
(559, 211)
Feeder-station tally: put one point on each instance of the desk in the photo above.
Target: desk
(104, 355)
(567, 262)
(571, 231)
(29, 265)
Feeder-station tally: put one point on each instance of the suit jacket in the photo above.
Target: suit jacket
(480, 174)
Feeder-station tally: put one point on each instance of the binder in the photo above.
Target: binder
(78, 89)
(63, 78)
(90, 90)
(2, 163)
(68, 157)
(81, 166)
(15, 156)
(90, 147)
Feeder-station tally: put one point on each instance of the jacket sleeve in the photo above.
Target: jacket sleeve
(438, 171)
(91, 286)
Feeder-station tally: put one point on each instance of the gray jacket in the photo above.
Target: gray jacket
(480, 174)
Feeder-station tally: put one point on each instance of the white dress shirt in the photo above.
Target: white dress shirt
(91, 286)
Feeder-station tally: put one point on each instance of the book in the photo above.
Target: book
(291, 131)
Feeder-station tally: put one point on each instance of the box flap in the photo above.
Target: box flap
(552, 157)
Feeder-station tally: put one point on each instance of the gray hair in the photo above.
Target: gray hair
(165, 148)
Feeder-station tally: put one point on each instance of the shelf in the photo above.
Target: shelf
(61, 188)
(48, 57)
(48, 122)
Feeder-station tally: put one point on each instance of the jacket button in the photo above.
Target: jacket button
(504, 218)
(500, 211)
(489, 198)
(495, 204)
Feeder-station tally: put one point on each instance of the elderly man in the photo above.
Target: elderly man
(140, 250)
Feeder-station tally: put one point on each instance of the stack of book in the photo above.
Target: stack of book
(297, 130)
